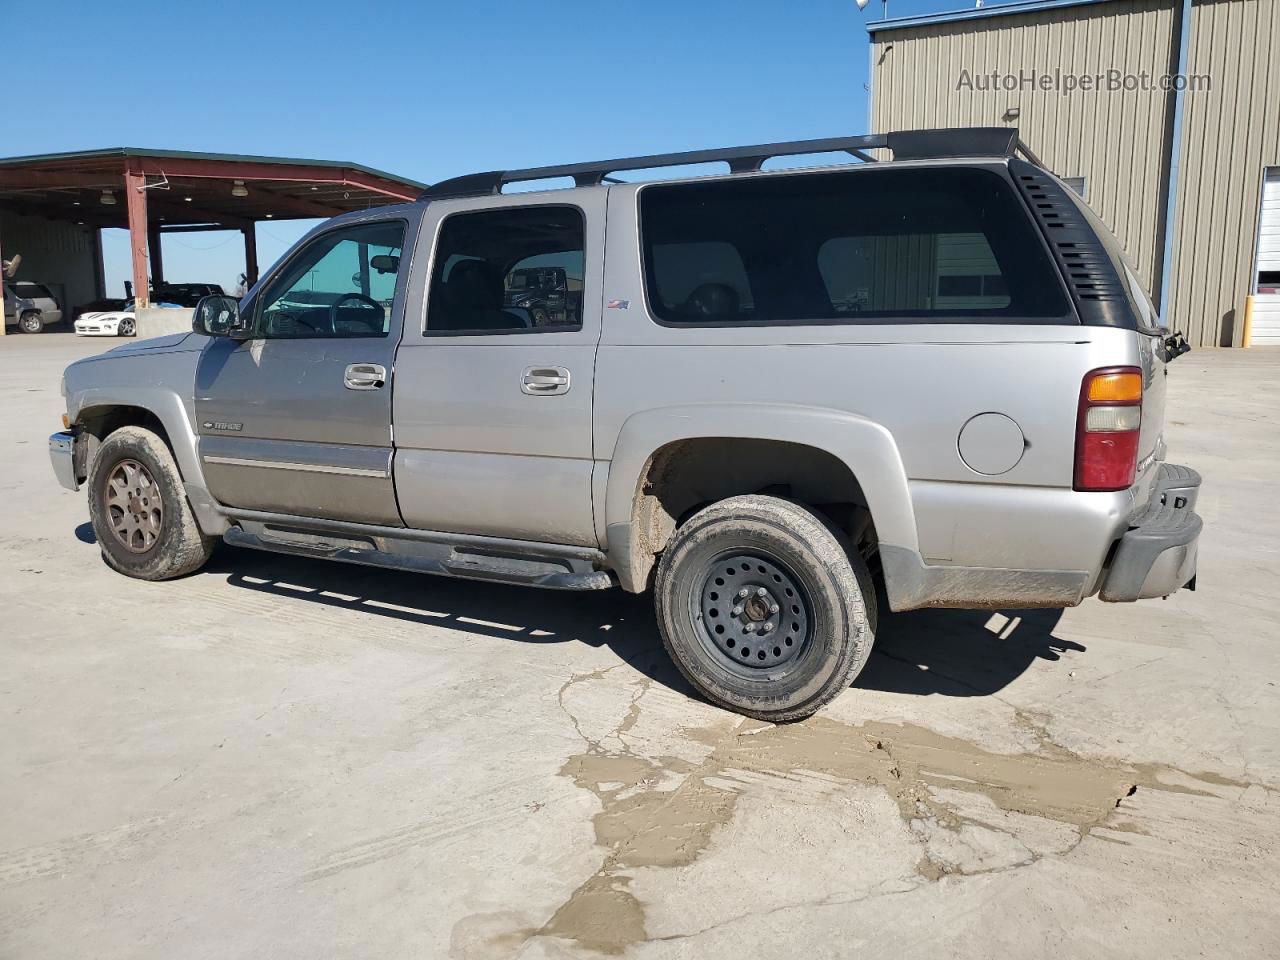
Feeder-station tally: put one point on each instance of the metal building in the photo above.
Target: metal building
(1165, 114)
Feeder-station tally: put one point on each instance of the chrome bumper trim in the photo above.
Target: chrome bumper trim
(62, 451)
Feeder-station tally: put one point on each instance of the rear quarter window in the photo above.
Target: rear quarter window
(31, 291)
(867, 246)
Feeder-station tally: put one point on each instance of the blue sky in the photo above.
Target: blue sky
(430, 89)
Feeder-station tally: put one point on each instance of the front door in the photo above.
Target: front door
(297, 420)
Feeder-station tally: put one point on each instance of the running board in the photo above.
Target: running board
(469, 562)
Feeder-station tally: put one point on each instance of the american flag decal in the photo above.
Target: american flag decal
(618, 305)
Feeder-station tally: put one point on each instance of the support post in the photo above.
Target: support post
(99, 267)
(136, 206)
(1183, 39)
(250, 254)
(3, 293)
(156, 253)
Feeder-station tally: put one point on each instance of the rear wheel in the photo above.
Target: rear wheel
(31, 322)
(762, 608)
(125, 328)
(144, 525)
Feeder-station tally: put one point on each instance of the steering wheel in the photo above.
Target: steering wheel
(333, 310)
(277, 319)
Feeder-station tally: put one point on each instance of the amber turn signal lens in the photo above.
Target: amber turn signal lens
(66, 422)
(1116, 388)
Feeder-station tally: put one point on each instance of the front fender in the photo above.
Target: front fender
(165, 404)
(163, 384)
(865, 447)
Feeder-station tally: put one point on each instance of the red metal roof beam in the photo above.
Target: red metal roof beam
(280, 172)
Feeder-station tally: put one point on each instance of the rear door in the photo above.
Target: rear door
(494, 378)
(297, 420)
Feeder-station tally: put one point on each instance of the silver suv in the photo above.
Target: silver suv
(30, 306)
(765, 396)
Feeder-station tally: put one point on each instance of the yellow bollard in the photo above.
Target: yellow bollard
(1246, 333)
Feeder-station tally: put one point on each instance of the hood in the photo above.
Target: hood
(106, 315)
(167, 342)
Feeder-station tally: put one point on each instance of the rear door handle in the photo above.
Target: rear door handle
(544, 381)
(364, 376)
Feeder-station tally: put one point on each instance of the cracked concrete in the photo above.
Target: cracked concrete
(283, 757)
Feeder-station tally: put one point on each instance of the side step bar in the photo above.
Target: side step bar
(476, 560)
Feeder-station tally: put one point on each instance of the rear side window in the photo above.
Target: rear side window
(31, 291)
(516, 270)
(865, 246)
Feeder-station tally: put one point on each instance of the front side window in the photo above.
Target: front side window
(517, 270)
(342, 285)
(855, 247)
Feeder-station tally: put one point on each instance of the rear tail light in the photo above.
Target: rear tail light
(1107, 424)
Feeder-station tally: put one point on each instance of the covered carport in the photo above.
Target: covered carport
(57, 204)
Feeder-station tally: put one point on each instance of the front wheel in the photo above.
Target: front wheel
(144, 525)
(762, 608)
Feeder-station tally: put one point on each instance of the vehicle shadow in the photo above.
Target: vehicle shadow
(620, 621)
(957, 653)
(960, 653)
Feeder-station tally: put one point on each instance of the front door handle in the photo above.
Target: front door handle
(544, 381)
(364, 376)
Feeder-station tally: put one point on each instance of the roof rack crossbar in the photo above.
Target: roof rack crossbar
(905, 145)
(740, 160)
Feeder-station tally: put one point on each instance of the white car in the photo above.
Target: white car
(111, 323)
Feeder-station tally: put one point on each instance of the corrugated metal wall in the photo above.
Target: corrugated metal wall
(60, 255)
(1231, 134)
(1119, 140)
(1110, 138)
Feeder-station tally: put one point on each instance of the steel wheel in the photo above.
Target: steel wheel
(31, 322)
(754, 615)
(741, 578)
(135, 508)
(125, 329)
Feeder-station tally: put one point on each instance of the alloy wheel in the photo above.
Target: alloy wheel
(134, 506)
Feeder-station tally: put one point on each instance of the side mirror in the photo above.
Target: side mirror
(1175, 346)
(216, 316)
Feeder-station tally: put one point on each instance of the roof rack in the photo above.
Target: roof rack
(904, 144)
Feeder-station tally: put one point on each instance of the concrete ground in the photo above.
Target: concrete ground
(280, 757)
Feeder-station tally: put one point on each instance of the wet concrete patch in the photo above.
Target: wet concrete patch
(970, 810)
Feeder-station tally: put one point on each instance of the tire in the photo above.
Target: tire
(146, 537)
(817, 596)
(31, 322)
(125, 328)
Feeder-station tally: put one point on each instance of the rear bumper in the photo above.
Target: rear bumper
(1157, 554)
(62, 453)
